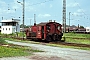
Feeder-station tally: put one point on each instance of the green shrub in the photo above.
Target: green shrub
(21, 34)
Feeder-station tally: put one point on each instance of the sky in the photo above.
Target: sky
(46, 10)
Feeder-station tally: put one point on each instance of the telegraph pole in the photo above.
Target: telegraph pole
(64, 17)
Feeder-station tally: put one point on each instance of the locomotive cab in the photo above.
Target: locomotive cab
(54, 31)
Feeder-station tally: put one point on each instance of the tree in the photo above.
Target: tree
(81, 27)
(21, 26)
(26, 26)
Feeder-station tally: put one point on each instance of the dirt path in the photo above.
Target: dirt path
(52, 53)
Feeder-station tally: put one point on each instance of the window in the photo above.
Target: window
(48, 27)
(58, 27)
(9, 28)
(6, 28)
(3, 28)
(9, 24)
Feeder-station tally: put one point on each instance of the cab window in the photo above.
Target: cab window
(48, 27)
(58, 27)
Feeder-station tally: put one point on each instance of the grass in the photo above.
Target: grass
(70, 37)
(10, 52)
(14, 50)
(77, 35)
(81, 41)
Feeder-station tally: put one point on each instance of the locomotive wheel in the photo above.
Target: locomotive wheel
(48, 38)
(55, 37)
(59, 37)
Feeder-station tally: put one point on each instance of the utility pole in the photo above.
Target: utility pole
(69, 21)
(64, 17)
(34, 19)
(23, 16)
(23, 4)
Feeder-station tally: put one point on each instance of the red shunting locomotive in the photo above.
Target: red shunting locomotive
(49, 31)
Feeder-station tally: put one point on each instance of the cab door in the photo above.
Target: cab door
(42, 31)
(39, 33)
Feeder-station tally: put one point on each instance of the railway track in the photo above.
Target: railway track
(71, 44)
(60, 43)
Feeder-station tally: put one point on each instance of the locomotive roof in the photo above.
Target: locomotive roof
(44, 23)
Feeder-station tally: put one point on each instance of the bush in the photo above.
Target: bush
(21, 34)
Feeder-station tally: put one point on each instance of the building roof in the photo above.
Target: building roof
(10, 20)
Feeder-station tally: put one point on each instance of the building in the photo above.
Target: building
(10, 26)
(76, 29)
(71, 28)
(87, 29)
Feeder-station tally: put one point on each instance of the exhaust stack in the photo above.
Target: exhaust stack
(34, 19)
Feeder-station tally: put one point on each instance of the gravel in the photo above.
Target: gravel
(15, 58)
(51, 53)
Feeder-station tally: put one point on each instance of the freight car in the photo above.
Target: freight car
(48, 31)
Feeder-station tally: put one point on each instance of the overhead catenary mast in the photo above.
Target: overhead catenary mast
(64, 17)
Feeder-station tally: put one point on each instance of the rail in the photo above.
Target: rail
(71, 44)
(63, 43)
